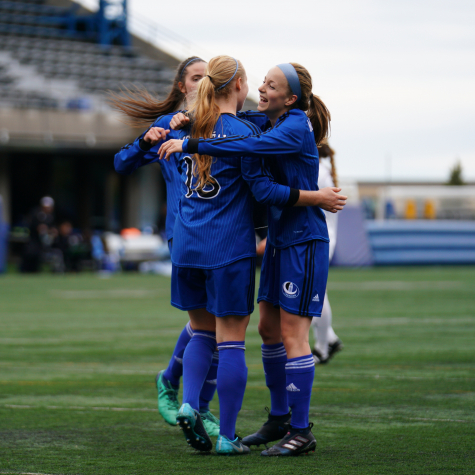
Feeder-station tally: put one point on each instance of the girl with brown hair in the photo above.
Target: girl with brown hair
(142, 109)
(295, 265)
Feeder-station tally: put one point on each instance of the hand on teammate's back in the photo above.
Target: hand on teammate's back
(179, 121)
(155, 135)
(330, 200)
(169, 147)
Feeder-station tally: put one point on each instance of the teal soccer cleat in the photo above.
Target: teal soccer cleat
(167, 399)
(225, 446)
(211, 423)
(190, 422)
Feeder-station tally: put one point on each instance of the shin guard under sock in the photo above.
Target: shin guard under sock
(196, 363)
(232, 378)
(175, 367)
(210, 384)
(274, 359)
(300, 372)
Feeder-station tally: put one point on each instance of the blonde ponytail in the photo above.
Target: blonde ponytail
(221, 74)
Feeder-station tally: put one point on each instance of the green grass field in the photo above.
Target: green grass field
(78, 356)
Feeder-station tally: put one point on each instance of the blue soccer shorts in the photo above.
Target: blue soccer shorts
(295, 278)
(227, 290)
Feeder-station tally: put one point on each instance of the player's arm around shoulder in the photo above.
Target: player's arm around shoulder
(262, 184)
(328, 199)
(140, 153)
(257, 118)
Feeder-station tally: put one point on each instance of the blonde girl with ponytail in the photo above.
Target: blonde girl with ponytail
(214, 251)
(295, 266)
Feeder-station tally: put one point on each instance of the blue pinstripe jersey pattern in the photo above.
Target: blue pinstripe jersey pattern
(132, 156)
(217, 229)
(292, 156)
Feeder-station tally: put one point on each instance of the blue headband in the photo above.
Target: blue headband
(187, 64)
(232, 77)
(292, 78)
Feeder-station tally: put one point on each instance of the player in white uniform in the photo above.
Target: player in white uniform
(327, 342)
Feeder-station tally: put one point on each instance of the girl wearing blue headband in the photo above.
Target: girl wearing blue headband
(214, 251)
(295, 265)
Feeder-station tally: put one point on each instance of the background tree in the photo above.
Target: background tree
(455, 177)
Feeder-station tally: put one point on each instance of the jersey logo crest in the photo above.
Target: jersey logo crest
(290, 290)
(316, 298)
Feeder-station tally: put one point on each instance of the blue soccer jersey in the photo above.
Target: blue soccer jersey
(214, 225)
(140, 153)
(293, 158)
(255, 117)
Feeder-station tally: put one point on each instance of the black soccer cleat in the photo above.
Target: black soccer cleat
(274, 429)
(318, 358)
(335, 347)
(296, 442)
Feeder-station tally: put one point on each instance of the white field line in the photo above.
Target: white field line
(403, 378)
(100, 294)
(78, 369)
(364, 416)
(84, 408)
(388, 321)
(395, 285)
(323, 414)
(398, 285)
(24, 473)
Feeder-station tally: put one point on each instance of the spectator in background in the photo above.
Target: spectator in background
(70, 247)
(42, 233)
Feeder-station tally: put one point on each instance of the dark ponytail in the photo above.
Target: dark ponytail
(317, 111)
(325, 151)
(142, 108)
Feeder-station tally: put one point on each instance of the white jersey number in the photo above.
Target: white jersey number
(209, 191)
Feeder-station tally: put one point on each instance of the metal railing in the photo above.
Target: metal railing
(176, 45)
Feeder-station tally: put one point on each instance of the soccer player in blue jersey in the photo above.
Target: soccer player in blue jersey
(295, 266)
(141, 109)
(214, 251)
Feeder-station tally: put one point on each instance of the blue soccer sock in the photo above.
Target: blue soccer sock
(196, 362)
(210, 384)
(299, 375)
(175, 367)
(274, 359)
(232, 378)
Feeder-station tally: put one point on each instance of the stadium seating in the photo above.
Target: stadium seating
(46, 65)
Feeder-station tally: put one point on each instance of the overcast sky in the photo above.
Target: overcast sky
(397, 75)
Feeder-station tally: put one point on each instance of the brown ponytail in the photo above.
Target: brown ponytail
(316, 110)
(142, 108)
(325, 151)
(204, 110)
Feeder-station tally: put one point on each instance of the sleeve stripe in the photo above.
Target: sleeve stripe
(254, 128)
(234, 138)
